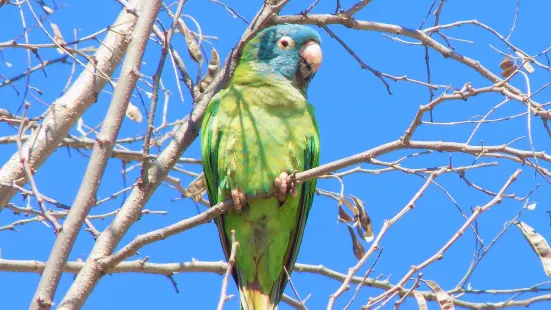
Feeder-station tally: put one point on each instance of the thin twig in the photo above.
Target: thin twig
(375, 245)
(231, 263)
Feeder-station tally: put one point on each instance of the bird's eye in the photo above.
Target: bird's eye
(286, 42)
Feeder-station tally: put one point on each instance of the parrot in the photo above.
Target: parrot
(257, 132)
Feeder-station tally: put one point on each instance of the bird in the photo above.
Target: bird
(257, 133)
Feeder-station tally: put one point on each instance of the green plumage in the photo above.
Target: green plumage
(257, 127)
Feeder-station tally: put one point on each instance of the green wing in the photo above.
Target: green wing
(311, 160)
(211, 137)
(210, 145)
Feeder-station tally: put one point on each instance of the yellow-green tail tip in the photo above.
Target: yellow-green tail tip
(254, 299)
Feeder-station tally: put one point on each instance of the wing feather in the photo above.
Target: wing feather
(210, 145)
(311, 160)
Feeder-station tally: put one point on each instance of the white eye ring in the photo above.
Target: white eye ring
(286, 42)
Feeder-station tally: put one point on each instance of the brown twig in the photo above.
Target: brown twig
(358, 59)
(233, 12)
(155, 95)
(480, 255)
(139, 266)
(360, 285)
(413, 287)
(440, 253)
(356, 7)
(24, 155)
(29, 71)
(231, 263)
(423, 37)
(375, 245)
(68, 108)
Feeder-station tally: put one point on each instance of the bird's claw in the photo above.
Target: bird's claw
(285, 184)
(239, 199)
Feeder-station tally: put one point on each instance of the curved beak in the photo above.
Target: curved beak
(311, 53)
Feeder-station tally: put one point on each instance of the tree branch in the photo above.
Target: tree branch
(349, 22)
(131, 210)
(220, 267)
(86, 196)
(66, 111)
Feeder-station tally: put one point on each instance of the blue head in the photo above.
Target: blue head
(291, 51)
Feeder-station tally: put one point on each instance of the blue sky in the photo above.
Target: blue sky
(355, 113)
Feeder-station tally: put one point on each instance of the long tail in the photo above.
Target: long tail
(252, 297)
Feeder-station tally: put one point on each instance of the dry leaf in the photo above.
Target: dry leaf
(133, 113)
(364, 220)
(47, 9)
(58, 38)
(213, 67)
(531, 206)
(361, 233)
(508, 66)
(344, 217)
(421, 301)
(527, 66)
(350, 206)
(192, 45)
(197, 188)
(443, 298)
(356, 245)
(506, 63)
(508, 72)
(538, 244)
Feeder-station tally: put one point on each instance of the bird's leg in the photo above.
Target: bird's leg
(239, 198)
(285, 184)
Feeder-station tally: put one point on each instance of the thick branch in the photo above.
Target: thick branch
(66, 111)
(86, 196)
(131, 210)
(163, 233)
(141, 266)
(88, 144)
(441, 146)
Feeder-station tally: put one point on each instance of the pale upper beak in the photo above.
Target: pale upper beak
(311, 53)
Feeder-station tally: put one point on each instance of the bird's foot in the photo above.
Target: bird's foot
(285, 184)
(239, 198)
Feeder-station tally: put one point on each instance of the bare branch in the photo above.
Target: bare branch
(66, 111)
(375, 246)
(220, 268)
(86, 197)
(131, 210)
(231, 262)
